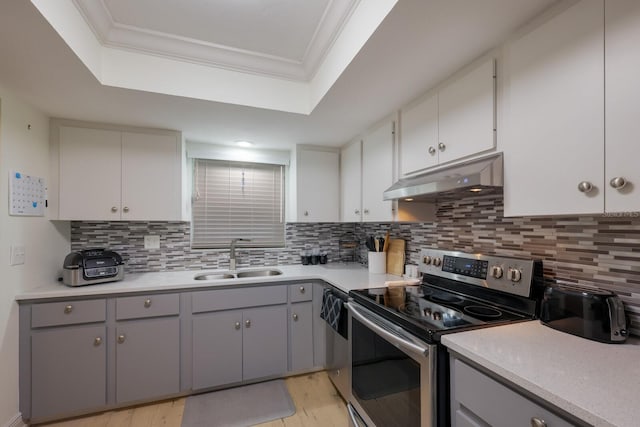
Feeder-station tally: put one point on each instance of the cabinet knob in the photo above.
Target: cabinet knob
(114, 209)
(302, 290)
(306, 213)
(247, 323)
(237, 325)
(121, 338)
(125, 209)
(432, 150)
(585, 187)
(537, 422)
(366, 211)
(357, 211)
(441, 146)
(618, 182)
(68, 309)
(97, 341)
(147, 303)
(295, 317)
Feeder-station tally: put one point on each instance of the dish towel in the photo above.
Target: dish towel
(331, 308)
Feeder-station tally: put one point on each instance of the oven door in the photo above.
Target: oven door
(392, 373)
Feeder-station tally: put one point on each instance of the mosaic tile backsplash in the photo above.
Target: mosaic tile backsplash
(595, 250)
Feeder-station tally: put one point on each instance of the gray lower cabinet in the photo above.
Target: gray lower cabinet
(68, 370)
(478, 400)
(239, 345)
(147, 359)
(301, 338)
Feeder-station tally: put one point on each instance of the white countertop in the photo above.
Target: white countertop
(342, 276)
(598, 383)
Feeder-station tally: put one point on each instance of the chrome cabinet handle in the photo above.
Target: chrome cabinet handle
(366, 211)
(125, 209)
(97, 341)
(68, 309)
(537, 422)
(618, 182)
(302, 290)
(247, 323)
(237, 325)
(121, 338)
(441, 146)
(114, 209)
(147, 303)
(432, 150)
(295, 317)
(357, 211)
(585, 187)
(306, 213)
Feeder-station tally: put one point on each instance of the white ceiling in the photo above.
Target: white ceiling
(417, 45)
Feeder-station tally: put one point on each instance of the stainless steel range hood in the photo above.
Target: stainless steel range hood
(474, 177)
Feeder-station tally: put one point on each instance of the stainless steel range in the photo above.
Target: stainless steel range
(399, 369)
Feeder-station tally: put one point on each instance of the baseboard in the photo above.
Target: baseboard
(16, 421)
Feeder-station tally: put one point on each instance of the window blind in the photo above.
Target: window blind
(237, 200)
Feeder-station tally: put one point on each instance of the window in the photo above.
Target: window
(237, 200)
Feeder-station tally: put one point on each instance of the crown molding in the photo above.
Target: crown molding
(135, 39)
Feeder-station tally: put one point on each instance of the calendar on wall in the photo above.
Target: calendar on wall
(27, 194)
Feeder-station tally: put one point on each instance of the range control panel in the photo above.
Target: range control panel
(512, 275)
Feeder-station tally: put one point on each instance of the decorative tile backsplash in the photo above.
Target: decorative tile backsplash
(597, 250)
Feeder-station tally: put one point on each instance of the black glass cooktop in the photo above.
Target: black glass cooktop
(428, 311)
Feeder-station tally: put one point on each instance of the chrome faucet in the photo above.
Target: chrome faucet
(232, 252)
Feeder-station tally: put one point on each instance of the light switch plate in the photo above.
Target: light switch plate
(17, 254)
(151, 242)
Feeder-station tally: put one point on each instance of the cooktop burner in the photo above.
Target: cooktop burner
(483, 311)
(446, 298)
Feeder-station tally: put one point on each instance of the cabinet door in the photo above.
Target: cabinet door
(217, 349)
(351, 182)
(301, 343)
(377, 173)
(466, 110)
(264, 339)
(554, 114)
(419, 136)
(147, 359)
(89, 174)
(150, 177)
(318, 186)
(68, 369)
(622, 62)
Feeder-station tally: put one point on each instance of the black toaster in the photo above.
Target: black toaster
(92, 266)
(590, 313)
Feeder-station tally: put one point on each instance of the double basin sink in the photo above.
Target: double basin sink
(221, 275)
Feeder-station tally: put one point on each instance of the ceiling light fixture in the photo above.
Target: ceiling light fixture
(245, 144)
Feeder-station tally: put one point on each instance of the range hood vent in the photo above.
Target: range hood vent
(475, 177)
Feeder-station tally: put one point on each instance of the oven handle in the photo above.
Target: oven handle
(355, 418)
(391, 337)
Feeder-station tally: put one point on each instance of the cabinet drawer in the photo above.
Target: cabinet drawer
(227, 299)
(68, 313)
(300, 292)
(147, 306)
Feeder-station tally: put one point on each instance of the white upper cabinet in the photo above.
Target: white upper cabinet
(554, 145)
(455, 122)
(377, 172)
(108, 174)
(351, 181)
(622, 108)
(318, 184)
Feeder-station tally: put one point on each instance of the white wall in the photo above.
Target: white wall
(46, 243)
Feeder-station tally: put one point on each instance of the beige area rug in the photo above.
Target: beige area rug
(239, 407)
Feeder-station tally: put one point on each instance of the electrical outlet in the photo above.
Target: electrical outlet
(151, 242)
(17, 254)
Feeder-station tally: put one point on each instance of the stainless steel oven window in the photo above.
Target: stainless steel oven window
(392, 373)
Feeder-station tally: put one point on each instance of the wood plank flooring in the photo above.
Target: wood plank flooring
(317, 404)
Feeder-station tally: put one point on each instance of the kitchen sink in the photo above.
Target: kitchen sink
(214, 275)
(258, 273)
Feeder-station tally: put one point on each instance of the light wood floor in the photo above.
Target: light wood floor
(317, 404)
